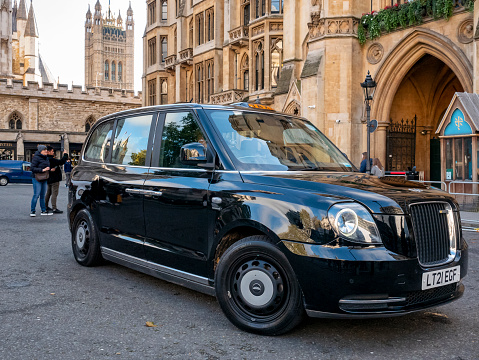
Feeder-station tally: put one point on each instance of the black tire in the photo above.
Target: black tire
(85, 241)
(3, 181)
(257, 288)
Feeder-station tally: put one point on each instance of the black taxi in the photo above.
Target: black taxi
(261, 210)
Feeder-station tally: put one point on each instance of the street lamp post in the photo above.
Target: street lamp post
(368, 87)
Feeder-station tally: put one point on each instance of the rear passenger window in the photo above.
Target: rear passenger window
(98, 148)
(179, 129)
(131, 140)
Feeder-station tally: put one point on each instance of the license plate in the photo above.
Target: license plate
(433, 279)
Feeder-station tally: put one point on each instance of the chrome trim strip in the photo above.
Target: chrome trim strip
(369, 302)
(128, 238)
(371, 315)
(154, 266)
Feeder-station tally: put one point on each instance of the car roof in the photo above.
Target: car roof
(8, 163)
(253, 107)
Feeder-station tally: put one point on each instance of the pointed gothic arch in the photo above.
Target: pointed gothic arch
(15, 121)
(89, 123)
(405, 55)
(293, 108)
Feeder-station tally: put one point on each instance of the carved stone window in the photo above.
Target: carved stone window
(164, 48)
(164, 91)
(276, 6)
(113, 71)
(152, 51)
(200, 29)
(210, 77)
(244, 68)
(210, 24)
(276, 61)
(191, 33)
(89, 123)
(15, 121)
(152, 92)
(199, 82)
(107, 70)
(246, 13)
(164, 10)
(152, 12)
(259, 65)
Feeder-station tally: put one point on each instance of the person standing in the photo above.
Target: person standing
(377, 169)
(39, 165)
(362, 167)
(54, 179)
(67, 168)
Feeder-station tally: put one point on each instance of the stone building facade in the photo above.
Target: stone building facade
(109, 48)
(31, 115)
(305, 57)
(34, 109)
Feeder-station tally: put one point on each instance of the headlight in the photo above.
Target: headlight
(353, 222)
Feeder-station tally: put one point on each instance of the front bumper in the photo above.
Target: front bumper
(366, 282)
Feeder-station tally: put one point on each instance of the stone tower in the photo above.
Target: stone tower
(109, 49)
(6, 30)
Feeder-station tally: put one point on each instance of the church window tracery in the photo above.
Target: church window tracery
(15, 121)
(120, 71)
(107, 70)
(276, 61)
(113, 71)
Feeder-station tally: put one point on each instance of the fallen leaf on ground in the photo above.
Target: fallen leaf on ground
(150, 324)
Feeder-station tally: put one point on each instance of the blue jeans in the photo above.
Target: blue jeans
(39, 190)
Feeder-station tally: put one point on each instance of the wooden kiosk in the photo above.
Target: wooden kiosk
(459, 135)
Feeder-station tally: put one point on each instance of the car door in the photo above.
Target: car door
(176, 213)
(121, 181)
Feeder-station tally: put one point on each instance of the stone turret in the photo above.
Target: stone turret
(31, 64)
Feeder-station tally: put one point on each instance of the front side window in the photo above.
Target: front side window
(131, 140)
(179, 129)
(98, 148)
(258, 141)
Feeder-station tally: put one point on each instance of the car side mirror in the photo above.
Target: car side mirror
(193, 154)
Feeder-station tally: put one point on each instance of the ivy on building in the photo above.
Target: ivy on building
(411, 13)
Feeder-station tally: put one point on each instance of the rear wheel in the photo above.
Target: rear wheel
(257, 289)
(3, 181)
(85, 242)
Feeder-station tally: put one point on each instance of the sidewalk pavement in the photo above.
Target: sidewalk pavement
(467, 216)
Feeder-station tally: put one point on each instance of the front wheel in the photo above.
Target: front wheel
(3, 181)
(85, 242)
(257, 289)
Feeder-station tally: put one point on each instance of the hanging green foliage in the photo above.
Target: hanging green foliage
(410, 13)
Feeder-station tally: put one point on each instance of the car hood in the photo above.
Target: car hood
(388, 195)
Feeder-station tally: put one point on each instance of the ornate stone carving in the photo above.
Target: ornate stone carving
(258, 30)
(332, 27)
(375, 53)
(465, 31)
(276, 26)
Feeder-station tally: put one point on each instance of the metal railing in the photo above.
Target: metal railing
(462, 182)
(472, 225)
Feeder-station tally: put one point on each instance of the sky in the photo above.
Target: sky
(61, 30)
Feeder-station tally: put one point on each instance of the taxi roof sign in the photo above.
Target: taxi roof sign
(254, 106)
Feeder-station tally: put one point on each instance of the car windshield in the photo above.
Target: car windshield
(275, 142)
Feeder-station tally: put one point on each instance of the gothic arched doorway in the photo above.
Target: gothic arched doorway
(424, 95)
(418, 78)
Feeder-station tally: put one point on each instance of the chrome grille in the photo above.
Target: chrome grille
(434, 231)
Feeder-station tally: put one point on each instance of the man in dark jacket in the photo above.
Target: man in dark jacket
(54, 179)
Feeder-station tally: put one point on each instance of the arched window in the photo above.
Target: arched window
(199, 82)
(200, 28)
(15, 121)
(210, 78)
(120, 71)
(191, 34)
(164, 48)
(164, 91)
(245, 71)
(113, 71)
(89, 123)
(260, 8)
(259, 66)
(175, 42)
(246, 14)
(107, 70)
(276, 61)
(164, 10)
(210, 24)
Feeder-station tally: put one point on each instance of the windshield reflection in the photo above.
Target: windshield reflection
(274, 142)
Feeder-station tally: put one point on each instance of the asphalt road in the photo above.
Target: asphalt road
(53, 308)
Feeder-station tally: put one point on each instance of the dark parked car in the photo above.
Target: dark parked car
(15, 171)
(262, 211)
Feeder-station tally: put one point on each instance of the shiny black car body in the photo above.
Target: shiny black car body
(264, 242)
